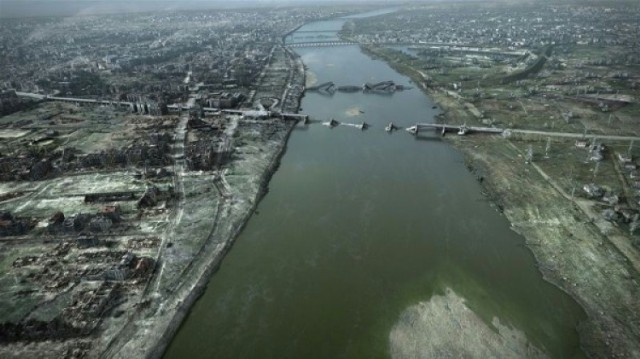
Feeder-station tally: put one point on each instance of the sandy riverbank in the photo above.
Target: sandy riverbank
(444, 327)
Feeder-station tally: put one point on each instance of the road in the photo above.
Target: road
(575, 135)
(178, 173)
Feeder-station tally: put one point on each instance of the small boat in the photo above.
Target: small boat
(390, 127)
(363, 125)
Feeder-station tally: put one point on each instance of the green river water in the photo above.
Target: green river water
(359, 225)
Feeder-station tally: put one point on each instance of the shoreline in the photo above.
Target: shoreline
(166, 317)
(601, 334)
(214, 264)
(153, 344)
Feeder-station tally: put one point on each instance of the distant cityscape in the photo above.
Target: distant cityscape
(138, 138)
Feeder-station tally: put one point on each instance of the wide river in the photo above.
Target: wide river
(357, 227)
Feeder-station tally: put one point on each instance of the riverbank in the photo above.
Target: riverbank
(573, 252)
(166, 320)
(239, 187)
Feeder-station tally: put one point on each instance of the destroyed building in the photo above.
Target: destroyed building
(11, 225)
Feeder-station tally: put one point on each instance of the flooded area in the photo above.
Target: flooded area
(364, 229)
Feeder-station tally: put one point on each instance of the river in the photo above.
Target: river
(357, 227)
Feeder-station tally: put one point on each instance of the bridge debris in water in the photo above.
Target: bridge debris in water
(444, 128)
(333, 123)
(384, 87)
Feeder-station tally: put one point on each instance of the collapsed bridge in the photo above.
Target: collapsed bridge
(379, 87)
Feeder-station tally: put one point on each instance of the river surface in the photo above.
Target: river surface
(360, 225)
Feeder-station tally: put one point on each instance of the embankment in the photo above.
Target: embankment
(213, 261)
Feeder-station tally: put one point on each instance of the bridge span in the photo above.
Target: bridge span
(173, 107)
(464, 129)
(321, 44)
(444, 128)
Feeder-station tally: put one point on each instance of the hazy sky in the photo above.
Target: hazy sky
(29, 8)
(22, 8)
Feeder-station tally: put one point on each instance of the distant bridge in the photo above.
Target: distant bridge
(347, 43)
(314, 31)
(321, 44)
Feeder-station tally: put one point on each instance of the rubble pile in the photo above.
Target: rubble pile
(24, 167)
(96, 279)
(202, 155)
(225, 100)
(204, 148)
(100, 222)
(14, 226)
(196, 123)
(616, 208)
(153, 195)
(133, 155)
(137, 243)
(151, 173)
(37, 330)
(36, 164)
(91, 304)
